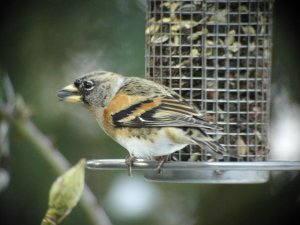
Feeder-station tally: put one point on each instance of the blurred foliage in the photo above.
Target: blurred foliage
(46, 44)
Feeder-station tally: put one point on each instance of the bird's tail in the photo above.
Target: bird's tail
(217, 150)
(208, 142)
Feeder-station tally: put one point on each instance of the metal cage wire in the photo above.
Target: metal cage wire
(217, 55)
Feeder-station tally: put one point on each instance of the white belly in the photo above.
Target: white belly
(147, 148)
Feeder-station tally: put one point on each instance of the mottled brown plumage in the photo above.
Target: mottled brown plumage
(146, 118)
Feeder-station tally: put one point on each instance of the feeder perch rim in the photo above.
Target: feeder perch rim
(140, 164)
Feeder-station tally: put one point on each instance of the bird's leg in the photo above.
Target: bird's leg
(129, 162)
(162, 161)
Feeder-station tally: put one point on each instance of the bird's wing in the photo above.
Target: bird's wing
(161, 111)
(143, 103)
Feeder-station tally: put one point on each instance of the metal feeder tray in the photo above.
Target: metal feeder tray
(200, 172)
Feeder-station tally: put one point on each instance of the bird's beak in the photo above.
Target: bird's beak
(69, 93)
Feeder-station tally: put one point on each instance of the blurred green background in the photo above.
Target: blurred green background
(45, 45)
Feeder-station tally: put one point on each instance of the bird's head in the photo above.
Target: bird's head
(94, 90)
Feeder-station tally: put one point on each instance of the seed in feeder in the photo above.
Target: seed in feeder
(159, 40)
(197, 34)
(258, 135)
(197, 2)
(175, 40)
(211, 94)
(195, 156)
(166, 4)
(177, 66)
(209, 51)
(235, 47)
(230, 38)
(210, 42)
(170, 4)
(152, 29)
(251, 47)
(189, 24)
(248, 30)
(262, 30)
(243, 8)
(219, 17)
(262, 18)
(175, 27)
(257, 111)
(267, 54)
(173, 8)
(242, 148)
(165, 20)
(220, 42)
(183, 24)
(186, 62)
(196, 94)
(195, 53)
(188, 8)
(266, 43)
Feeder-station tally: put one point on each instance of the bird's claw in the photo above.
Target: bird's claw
(129, 162)
(162, 161)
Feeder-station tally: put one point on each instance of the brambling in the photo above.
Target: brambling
(147, 118)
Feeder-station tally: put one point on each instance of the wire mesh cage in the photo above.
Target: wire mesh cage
(217, 55)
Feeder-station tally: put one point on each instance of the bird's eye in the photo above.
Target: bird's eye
(88, 85)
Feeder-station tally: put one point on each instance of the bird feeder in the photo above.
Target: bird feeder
(217, 55)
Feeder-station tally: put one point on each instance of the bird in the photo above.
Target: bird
(148, 119)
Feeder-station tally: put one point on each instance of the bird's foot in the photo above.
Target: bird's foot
(162, 161)
(129, 162)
